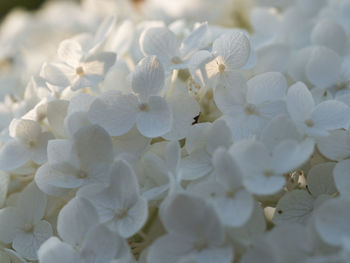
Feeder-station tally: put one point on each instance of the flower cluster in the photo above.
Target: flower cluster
(126, 139)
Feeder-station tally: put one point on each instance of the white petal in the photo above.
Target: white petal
(114, 112)
(226, 169)
(27, 244)
(61, 155)
(160, 42)
(197, 136)
(135, 219)
(291, 154)
(13, 155)
(300, 103)
(148, 78)
(57, 74)
(336, 146)
(279, 129)
(192, 217)
(332, 221)
(27, 131)
(320, 179)
(329, 34)
(273, 57)
(331, 115)
(93, 146)
(75, 219)
(342, 178)
(196, 165)
(234, 48)
(169, 248)
(55, 251)
(263, 185)
(219, 135)
(235, 211)
(39, 152)
(217, 255)
(294, 207)
(31, 204)
(185, 109)
(265, 87)
(56, 112)
(157, 120)
(226, 98)
(323, 67)
(173, 156)
(10, 221)
(54, 182)
(102, 245)
(191, 43)
(70, 52)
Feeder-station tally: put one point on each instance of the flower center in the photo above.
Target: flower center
(143, 107)
(176, 60)
(80, 71)
(309, 123)
(81, 174)
(221, 68)
(121, 213)
(268, 173)
(250, 109)
(28, 228)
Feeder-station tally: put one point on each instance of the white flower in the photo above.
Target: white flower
(77, 69)
(315, 120)
(193, 229)
(73, 163)
(201, 142)
(119, 205)
(23, 226)
(161, 42)
(28, 143)
(297, 206)
(247, 110)
(83, 239)
(234, 204)
(118, 113)
(332, 221)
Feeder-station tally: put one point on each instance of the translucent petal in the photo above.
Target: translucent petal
(75, 219)
(335, 146)
(294, 207)
(342, 178)
(329, 34)
(10, 221)
(323, 67)
(160, 42)
(300, 103)
(266, 87)
(331, 115)
(332, 221)
(196, 165)
(219, 135)
(320, 179)
(192, 217)
(31, 204)
(13, 155)
(93, 146)
(114, 112)
(234, 48)
(70, 52)
(185, 109)
(55, 251)
(148, 78)
(157, 120)
(27, 243)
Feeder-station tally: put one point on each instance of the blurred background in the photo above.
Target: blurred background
(8, 5)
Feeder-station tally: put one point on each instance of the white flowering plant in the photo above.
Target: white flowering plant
(163, 131)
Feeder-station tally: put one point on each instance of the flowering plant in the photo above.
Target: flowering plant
(173, 131)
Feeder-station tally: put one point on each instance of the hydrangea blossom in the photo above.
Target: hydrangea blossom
(217, 133)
